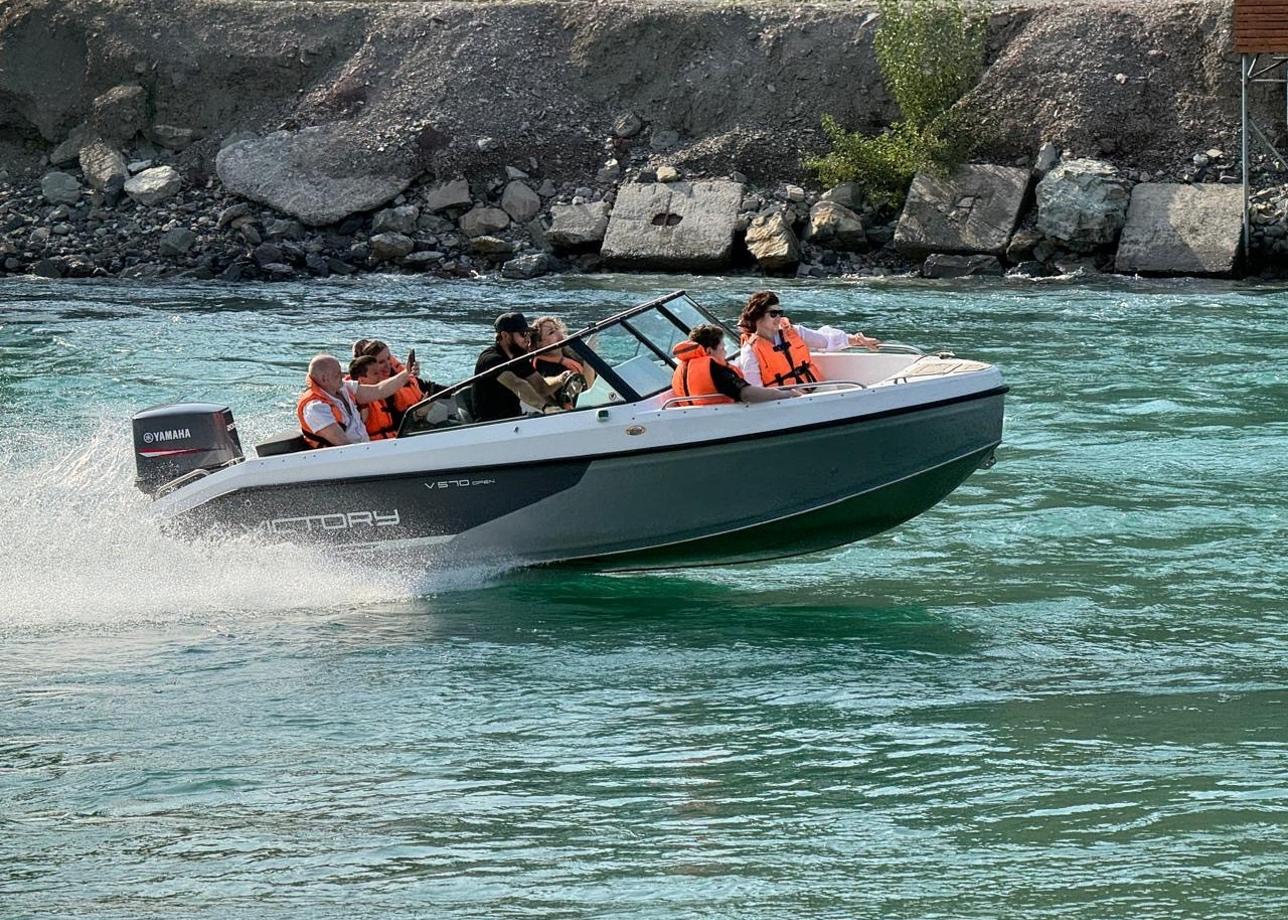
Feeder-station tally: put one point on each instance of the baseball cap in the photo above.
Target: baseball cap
(511, 322)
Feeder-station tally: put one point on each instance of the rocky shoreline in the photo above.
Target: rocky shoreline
(226, 160)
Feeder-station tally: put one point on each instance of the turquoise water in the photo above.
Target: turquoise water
(1061, 693)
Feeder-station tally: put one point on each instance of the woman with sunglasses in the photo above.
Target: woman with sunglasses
(777, 353)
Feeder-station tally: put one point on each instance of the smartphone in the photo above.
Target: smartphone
(411, 358)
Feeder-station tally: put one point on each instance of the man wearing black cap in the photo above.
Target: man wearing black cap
(497, 396)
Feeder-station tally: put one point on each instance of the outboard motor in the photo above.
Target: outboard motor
(172, 440)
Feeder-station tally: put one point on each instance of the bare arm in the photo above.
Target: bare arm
(371, 392)
(534, 389)
(754, 394)
(333, 434)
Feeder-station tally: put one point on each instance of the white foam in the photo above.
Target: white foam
(79, 546)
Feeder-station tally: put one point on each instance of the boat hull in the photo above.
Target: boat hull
(764, 496)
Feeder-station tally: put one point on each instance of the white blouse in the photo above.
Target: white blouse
(825, 339)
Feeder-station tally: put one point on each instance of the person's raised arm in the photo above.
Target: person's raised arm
(370, 392)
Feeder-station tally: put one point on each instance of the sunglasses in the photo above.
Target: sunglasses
(776, 313)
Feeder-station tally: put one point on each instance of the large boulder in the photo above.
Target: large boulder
(60, 188)
(101, 164)
(152, 186)
(120, 113)
(771, 240)
(484, 221)
(389, 247)
(1082, 204)
(452, 194)
(577, 227)
(529, 266)
(520, 202)
(973, 210)
(678, 225)
(955, 265)
(835, 226)
(320, 175)
(396, 220)
(1182, 229)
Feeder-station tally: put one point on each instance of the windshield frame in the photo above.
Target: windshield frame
(578, 343)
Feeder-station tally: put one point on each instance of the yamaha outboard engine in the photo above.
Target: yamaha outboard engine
(172, 440)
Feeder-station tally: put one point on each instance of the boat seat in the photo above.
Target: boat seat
(287, 441)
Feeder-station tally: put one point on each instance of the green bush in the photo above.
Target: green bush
(930, 53)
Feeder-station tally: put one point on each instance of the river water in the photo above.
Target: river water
(1061, 693)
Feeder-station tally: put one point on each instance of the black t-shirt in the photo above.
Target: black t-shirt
(548, 368)
(492, 400)
(727, 382)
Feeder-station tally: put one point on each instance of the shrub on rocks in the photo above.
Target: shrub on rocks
(153, 186)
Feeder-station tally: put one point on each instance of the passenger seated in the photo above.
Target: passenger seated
(703, 370)
(328, 411)
(777, 353)
(547, 330)
(378, 414)
(502, 395)
(412, 392)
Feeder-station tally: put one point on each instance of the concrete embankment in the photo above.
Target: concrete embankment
(233, 138)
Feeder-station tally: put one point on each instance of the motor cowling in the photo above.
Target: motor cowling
(175, 439)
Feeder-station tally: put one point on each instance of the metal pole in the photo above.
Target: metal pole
(1243, 155)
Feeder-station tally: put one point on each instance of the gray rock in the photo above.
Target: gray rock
(47, 268)
(422, 260)
(152, 186)
(317, 265)
(1022, 244)
(547, 189)
(973, 210)
(1182, 229)
(668, 174)
(120, 113)
(678, 225)
(483, 221)
(514, 172)
(771, 240)
(1075, 265)
(233, 212)
(137, 166)
(520, 202)
(487, 144)
(1048, 156)
(266, 253)
(663, 139)
(951, 265)
(609, 172)
(834, 226)
(1029, 269)
(525, 267)
(847, 195)
(173, 137)
(794, 193)
(491, 246)
(60, 188)
(237, 137)
(100, 164)
(1082, 204)
(389, 247)
(402, 219)
(452, 194)
(284, 229)
(578, 227)
(628, 124)
(320, 175)
(339, 266)
(69, 150)
(176, 243)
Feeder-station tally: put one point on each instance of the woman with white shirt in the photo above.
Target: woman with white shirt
(777, 353)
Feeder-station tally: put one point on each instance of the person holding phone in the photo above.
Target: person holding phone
(775, 352)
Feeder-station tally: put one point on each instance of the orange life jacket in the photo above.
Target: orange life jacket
(314, 393)
(693, 375)
(784, 362)
(380, 421)
(407, 395)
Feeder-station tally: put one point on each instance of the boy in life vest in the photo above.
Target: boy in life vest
(777, 353)
(703, 372)
(377, 415)
(328, 411)
(412, 392)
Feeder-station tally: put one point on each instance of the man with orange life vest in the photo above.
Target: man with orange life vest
(702, 370)
(328, 411)
(777, 353)
(377, 414)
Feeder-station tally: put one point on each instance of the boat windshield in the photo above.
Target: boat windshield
(630, 354)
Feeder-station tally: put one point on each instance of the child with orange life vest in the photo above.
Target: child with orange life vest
(777, 353)
(412, 392)
(703, 372)
(328, 409)
(375, 415)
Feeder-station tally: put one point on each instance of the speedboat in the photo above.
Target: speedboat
(630, 478)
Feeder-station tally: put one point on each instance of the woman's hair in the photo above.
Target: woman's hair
(542, 321)
(758, 305)
(360, 365)
(369, 347)
(707, 335)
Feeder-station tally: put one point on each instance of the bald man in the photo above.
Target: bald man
(328, 408)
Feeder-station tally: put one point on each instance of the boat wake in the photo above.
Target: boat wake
(80, 547)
